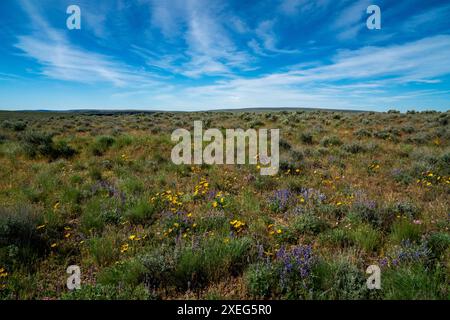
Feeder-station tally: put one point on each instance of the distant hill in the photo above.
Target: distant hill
(136, 111)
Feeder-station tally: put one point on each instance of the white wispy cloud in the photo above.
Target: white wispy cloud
(61, 60)
(349, 21)
(265, 32)
(374, 72)
(202, 25)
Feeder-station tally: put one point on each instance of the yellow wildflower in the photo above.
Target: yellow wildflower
(124, 248)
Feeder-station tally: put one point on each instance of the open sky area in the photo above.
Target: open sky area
(206, 54)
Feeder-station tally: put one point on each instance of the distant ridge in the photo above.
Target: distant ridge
(137, 111)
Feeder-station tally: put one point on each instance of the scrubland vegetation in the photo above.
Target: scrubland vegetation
(100, 191)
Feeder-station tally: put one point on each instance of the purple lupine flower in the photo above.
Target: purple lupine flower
(281, 199)
(296, 262)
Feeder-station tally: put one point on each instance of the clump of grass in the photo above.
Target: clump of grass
(142, 212)
(261, 280)
(402, 229)
(331, 141)
(339, 279)
(101, 145)
(21, 241)
(414, 282)
(366, 237)
(336, 237)
(103, 250)
(126, 273)
(211, 261)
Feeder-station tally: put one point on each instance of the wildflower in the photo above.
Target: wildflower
(124, 248)
(417, 222)
(237, 225)
(3, 273)
(215, 204)
(67, 235)
(279, 231)
(40, 227)
(176, 225)
(132, 237)
(297, 262)
(67, 228)
(54, 245)
(189, 215)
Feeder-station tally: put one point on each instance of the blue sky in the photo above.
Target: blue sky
(208, 54)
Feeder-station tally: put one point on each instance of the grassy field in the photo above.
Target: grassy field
(100, 191)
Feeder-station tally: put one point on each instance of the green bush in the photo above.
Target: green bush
(354, 148)
(306, 138)
(438, 243)
(307, 223)
(159, 266)
(41, 144)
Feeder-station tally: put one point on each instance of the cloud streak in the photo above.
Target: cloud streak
(63, 61)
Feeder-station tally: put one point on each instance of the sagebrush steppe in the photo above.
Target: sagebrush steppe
(99, 190)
